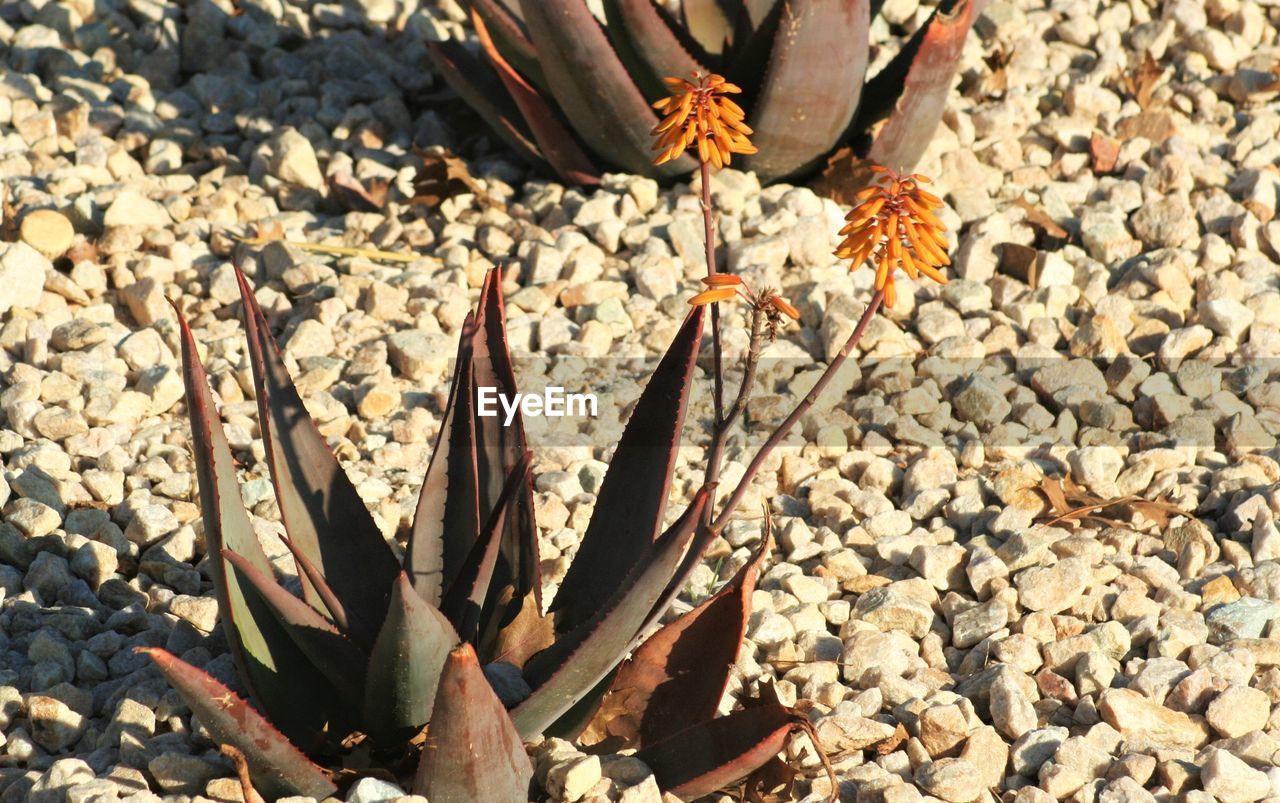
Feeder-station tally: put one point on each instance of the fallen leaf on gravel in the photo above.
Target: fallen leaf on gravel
(1142, 82)
(1040, 219)
(354, 196)
(441, 177)
(1071, 504)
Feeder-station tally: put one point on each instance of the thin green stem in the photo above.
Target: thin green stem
(716, 455)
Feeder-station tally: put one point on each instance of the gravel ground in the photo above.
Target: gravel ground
(1111, 178)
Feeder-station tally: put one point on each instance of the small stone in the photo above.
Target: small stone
(54, 725)
(1239, 710)
(1169, 222)
(150, 524)
(146, 302)
(570, 780)
(48, 232)
(22, 276)
(419, 355)
(181, 774)
(943, 729)
(134, 209)
(374, 790)
(1226, 316)
(1245, 617)
(1145, 722)
(293, 161)
(954, 780)
(890, 610)
(1011, 711)
(1053, 589)
(1231, 780)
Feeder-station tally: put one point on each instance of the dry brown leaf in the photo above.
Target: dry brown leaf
(355, 196)
(898, 738)
(773, 782)
(1071, 504)
(1142, 81)
(441, 177)
(1041, 220)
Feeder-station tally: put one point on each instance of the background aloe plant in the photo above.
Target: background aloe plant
(374, 648)
(567, 92)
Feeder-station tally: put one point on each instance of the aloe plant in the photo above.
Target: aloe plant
(350, 672)
(574, 95)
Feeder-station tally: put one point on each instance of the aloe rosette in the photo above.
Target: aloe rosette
(576, 95)
(440, 664)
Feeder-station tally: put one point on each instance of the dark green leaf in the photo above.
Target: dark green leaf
(714, 754)
(567, 670)
(319, 506)
(592, 86)
(465, 598)
(811, 91)
(478, 85)
(341, 662)
(405, 665)
(629, 509)
(264, 654)
(912, 90)
(473, 752)
(652, 45)
(278, 768)
(556, 141)
(511, 38)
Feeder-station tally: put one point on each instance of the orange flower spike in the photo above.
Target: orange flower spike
(698, 113)
(893, 225)
(714, 295)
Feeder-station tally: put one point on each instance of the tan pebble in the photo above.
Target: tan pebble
(48, 232)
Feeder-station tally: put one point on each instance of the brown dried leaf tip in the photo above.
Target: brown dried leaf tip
(725, 286)
(893, 224)
(698, 109)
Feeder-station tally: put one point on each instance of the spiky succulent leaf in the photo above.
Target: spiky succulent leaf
(330, 653)
(633, 498)
(468, 471)
(405, 664)
(464, 600)
(319, 506)
(716, 753)
(264, 654)
(651, 44)
(473, 752)
(571, 667)
(277, 767)
(912, 89)
(592, 87)
(478, 85)
(797, 116)
(510, 38)
(679, 674)
(558, 144)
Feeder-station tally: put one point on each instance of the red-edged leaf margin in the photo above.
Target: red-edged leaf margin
(632, 500)
(319, 506)
(278, 768)
(573, 666)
